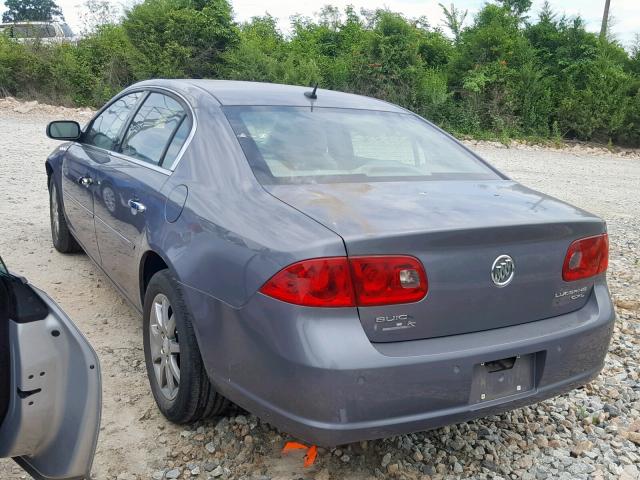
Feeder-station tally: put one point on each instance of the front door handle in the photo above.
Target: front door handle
(136, 206)
(85, 181)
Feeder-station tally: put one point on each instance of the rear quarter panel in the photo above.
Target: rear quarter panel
(232, 235)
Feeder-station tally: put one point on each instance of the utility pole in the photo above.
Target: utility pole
(605, 20)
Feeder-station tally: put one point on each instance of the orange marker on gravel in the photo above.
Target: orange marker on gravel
(310, 456)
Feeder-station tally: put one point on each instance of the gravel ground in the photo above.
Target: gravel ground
(593, 432)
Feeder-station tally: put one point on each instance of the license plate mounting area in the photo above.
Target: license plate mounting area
(504, 377)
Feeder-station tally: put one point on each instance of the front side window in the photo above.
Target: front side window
(152, 130)
(105, 129)
(304, 145)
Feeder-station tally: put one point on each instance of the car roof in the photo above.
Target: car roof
(232, 92)
(26, 22)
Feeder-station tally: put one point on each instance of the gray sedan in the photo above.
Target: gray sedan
(333, 263)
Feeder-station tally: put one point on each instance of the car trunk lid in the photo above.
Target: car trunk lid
(457, 229)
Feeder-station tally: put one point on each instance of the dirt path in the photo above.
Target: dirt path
(130, 419)
(137, 442)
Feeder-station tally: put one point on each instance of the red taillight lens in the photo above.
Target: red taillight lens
(320, 282)
(349, 282)
(383, 280)
(586, 257)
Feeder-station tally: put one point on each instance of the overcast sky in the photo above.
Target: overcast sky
(626, 13)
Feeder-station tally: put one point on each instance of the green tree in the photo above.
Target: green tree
(31, 11)
(392, 62)
(454, 19)
(597, 99)
(259, 55)
(517, 7)
(179, 38)
(634, 57)
(108, 55)
(95, 13)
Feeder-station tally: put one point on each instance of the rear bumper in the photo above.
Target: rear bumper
(317, 377)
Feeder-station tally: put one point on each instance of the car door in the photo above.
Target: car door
(82, 161)
(129, 198)
(50, 386)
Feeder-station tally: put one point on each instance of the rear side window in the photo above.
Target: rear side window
(105, 129)
(154, 128)
(176, 143)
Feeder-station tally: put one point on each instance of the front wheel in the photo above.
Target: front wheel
(61, 237)
(177, 376)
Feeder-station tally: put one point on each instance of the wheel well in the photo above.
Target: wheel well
(151, 264)
(49, 172)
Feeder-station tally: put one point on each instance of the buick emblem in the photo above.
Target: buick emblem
(502, 270)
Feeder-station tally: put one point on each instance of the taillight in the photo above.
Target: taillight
(586, 257)
(383, 280)
(320, 282)
(349, 282)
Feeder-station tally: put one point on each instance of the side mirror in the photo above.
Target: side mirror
(64, 130)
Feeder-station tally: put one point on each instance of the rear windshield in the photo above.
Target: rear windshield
(325, 145)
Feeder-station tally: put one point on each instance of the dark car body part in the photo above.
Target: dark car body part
(51, 398)
(334, 375)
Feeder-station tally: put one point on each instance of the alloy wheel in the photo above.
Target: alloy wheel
(55, 212)
(164, 346)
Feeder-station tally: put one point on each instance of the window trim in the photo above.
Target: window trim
(125, 124)
(130, 120)
(171, 137)
(146, 90)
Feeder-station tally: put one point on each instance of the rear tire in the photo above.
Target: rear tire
(61, 236)
(176, 373)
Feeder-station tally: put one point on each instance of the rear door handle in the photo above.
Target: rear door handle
(136, 206)
(85, 181)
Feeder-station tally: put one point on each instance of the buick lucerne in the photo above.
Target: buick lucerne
(333, 263)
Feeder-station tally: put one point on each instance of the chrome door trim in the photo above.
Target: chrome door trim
(66, 196)
(113, 230)
(150, 166)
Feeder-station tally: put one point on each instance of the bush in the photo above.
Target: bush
(108, 55)
(630, 133)
(179, 38)
(259, 53)
(86, 74)
(16, 65)
(597, 101)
